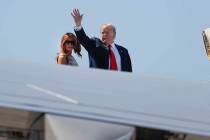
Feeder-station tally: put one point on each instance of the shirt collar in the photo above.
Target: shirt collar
(113, 45)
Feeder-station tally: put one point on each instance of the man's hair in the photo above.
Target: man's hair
(110, 25)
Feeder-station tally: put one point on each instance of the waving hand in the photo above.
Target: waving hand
(77, 17)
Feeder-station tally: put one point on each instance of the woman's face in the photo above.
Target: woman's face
(69, 45)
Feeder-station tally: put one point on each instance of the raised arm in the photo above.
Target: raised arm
(88, 43)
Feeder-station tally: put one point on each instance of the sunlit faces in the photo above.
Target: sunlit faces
(108, 33)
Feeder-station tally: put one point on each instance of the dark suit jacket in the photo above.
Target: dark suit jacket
(99, 53)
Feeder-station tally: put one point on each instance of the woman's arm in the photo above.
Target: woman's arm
(62, 60)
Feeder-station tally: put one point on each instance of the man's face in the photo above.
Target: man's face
(107, 34)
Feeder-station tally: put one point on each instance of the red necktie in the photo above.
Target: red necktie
(113, 63)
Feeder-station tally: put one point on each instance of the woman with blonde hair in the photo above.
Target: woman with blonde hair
(69, 43)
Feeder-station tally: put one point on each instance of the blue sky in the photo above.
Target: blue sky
(163, 37)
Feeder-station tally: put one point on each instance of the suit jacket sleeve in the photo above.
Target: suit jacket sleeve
(88, 43)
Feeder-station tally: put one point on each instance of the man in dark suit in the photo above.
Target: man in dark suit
(103, 53)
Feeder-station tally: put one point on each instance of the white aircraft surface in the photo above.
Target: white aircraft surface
(56, 102)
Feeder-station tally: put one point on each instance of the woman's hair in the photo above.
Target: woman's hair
(77, 46)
